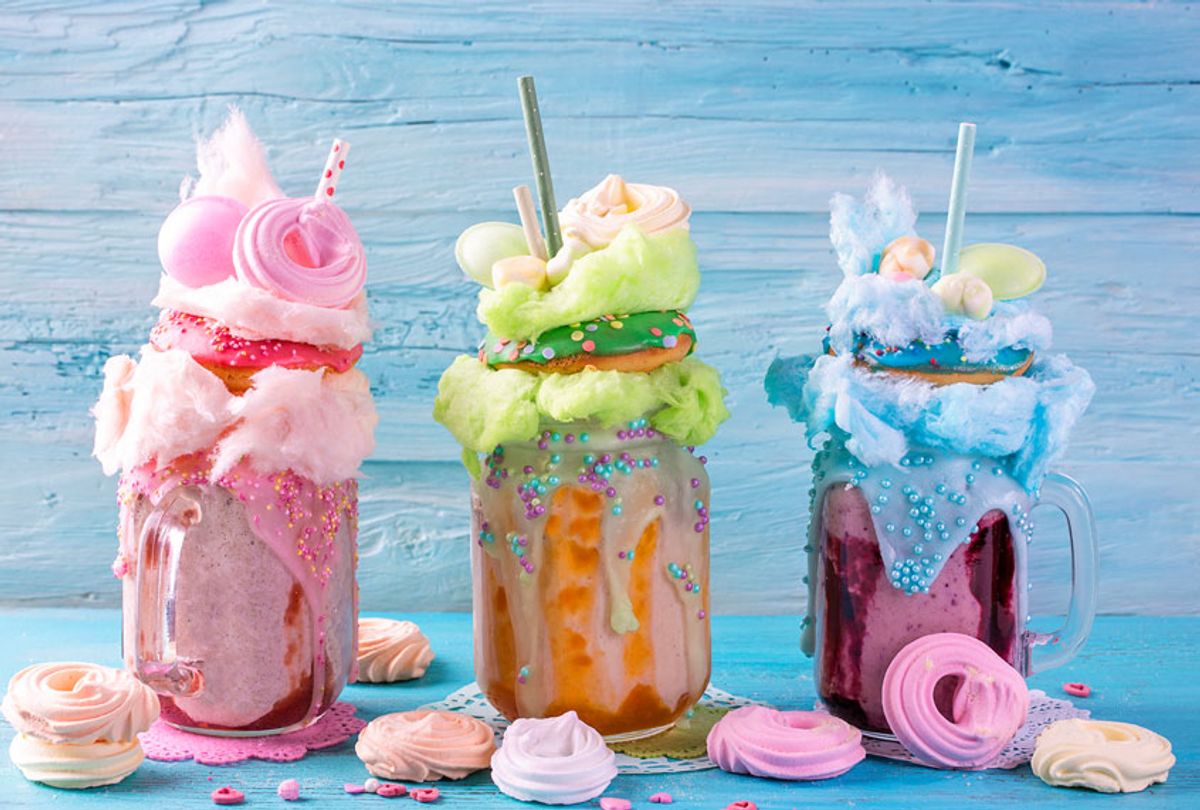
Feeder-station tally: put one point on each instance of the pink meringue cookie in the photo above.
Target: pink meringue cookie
(390, 651)
(784, 745)
(989, 705)
(301, 249)
(553, 760)
(79, 704)
(424, 744)
(195, 242)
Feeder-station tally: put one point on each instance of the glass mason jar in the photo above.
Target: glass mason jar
(240, 604)
(936, 545)
(590, 563)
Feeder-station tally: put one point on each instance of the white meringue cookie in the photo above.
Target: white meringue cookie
(68, 702)
(390, 651)
(1102, 755)
(598, 215)
(424, 744)
(554, 760)
(64, 765)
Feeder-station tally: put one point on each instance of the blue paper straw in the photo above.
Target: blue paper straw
(957, 211)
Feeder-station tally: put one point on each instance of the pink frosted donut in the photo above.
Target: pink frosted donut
(989, 706)
(302, 250)
(784, 745)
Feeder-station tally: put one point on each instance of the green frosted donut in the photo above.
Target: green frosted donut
(607, 335)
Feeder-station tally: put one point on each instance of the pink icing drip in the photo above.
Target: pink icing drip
(210, 342)
(302, 250)
(297, 519)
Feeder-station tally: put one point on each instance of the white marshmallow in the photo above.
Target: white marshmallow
(527, 270)
(905, 258)
(965, 295)
(559, 266)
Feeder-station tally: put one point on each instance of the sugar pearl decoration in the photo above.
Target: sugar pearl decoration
(527, 270)
(905, 258)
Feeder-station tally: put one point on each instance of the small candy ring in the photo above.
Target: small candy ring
(990, 702)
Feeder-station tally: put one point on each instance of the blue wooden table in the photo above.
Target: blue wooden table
(1141, 670)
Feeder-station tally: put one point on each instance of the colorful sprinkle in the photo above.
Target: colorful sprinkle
(577, 335)
(1080, 690)
(588, 345)
(612, 803)
(661, 797)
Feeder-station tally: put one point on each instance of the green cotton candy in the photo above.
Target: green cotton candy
(484, 407)
(636, 273)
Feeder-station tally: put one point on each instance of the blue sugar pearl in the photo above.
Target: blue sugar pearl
(918, 548)
(962, 521)
(926, 510)
(886, 483)
(874, 509)
(699, 504)
(929, 572)
(589, 458)
(945, 535)
(929, 500)
(937, 557)
(1016, 509)
(904, 462)
(941, 527)
(555, 458)
(914, 512)
(554, 480)
(970, 479)
(616, 510)
(940, 489)
(654, 461)
(975, 528)
(928, 536)
(555, 437)
(913, 498)
(583, 437)
(891, 527)
(907, 489)
(975, 465)
(907, 532)
(997, 471)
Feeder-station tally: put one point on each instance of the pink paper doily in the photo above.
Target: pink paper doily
(1043, 710)
(165, 743)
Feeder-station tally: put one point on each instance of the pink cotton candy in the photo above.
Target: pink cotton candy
(195, 242)
(232, 164)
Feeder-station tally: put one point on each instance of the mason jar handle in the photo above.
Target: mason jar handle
(160, 545)
(1050, 650)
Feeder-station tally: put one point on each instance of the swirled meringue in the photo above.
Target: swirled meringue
(79, 704)
(64, 765)
(1101, 755)
(390, 651)
(302, 250)
(784, 745)
(598, 215)
(553, 760)
(424, 744)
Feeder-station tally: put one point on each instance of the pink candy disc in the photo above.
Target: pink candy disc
(390, 790)
(195, 242)
(662, 798)
(424, 794)
(1080, 690)
(227, 795)
(988, 708)
(613, 803)
(301, 250)
(784, 745)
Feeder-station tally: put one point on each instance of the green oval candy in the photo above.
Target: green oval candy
(485, 243)
(1011, 271)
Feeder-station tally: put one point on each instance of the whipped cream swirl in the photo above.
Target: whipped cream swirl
(554, 760)
(390, 651)
(597, 216)
(422, 745)
(301, 250)
(79, 704)
(1102, 755)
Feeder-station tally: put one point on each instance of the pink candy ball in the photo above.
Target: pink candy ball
(195, 242)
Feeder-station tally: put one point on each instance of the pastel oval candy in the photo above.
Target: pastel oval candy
(907, 257)
(784, 745)
(195, 242)
(485, 243)
(1011, 271)
(989, 705)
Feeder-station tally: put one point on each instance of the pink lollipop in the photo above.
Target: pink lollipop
(784, 745)
(195, 242)
(989, 706)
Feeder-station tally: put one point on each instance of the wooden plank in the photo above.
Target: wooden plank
(1141, 670)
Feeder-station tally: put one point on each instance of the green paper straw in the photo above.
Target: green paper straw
(957, 211)
(541, 163)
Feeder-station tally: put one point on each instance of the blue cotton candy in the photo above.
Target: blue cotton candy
(860, 230)
(1024, 422)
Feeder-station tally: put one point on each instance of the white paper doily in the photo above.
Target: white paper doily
(1043, 710)
(469, 700)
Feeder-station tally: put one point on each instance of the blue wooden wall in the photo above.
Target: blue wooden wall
(1088, 119)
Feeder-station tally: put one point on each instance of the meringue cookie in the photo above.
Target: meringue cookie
(79, 704)
(554, 760)
(422, 745)
(1101, 755)
(390, 651)
(65, 765)
(784, 745)
(598, 215)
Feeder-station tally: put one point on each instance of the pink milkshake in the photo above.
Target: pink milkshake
(239, 432)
